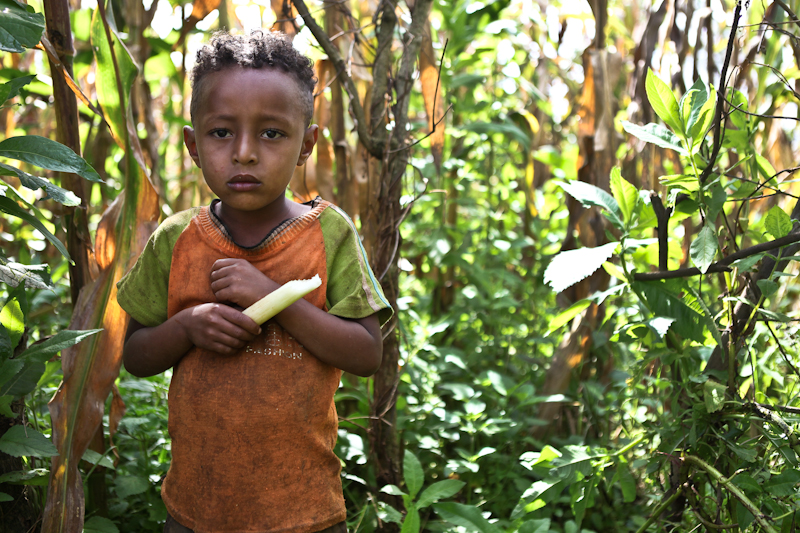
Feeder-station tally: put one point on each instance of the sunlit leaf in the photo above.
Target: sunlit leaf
(625, 194)
(704, 247)
(45, 153)
(20, 26)
(9, 206)
(589, 196)
(570, 267)
(777, 222)
(663, 101)
(29, 181)
(681, 181)
(655, 134)
(42, 351)
(713, 395)
(703, 120)
(30, 276)
(568, 314)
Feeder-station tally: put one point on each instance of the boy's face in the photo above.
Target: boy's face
(249, 134)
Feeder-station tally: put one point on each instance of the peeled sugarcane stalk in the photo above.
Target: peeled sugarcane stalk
(281, 298)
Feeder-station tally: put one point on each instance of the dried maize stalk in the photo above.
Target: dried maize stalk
(281, 298)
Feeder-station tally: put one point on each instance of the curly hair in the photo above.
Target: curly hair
(260, 49)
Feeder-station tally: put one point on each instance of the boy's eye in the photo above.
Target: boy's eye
(220, 134)
(272, 134)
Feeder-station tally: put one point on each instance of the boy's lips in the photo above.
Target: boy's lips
(243, 183)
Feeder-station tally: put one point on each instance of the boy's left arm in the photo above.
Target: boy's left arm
(353, 345)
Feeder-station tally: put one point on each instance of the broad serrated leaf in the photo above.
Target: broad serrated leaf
(747, 483)
(412, 473)
(664, 302)
(704, 248)
(10, 89)
(624, 193)
(30, 276)
(467, 516)
(43, 351)
(570, 267)
(655, 134)
(99, 524)
(713, 395)
(767, 286)
(438, 491)
(663, 101)
(32, 182)
(784, 484)
(24, 381)
(45, 153)
(777, 222)
(660, 324)
(24, 441)
(6, 349)
(12, 208)
(589, 196)
(8, 369)
(130, 485)
(20, 26)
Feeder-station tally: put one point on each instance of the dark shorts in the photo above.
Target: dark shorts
(172, 526)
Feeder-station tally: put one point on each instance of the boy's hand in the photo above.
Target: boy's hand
(218, 327)
(239, 282)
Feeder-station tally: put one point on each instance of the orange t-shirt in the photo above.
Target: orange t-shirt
(252, 434)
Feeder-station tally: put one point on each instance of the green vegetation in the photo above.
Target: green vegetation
(592, 256)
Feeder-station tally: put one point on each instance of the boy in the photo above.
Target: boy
(251, 412)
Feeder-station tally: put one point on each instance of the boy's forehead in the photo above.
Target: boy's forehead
(244, 84)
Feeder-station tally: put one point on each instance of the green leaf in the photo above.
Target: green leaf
(506, 128)
(412, 473)
(6, 348)
(411, 522)
(534, 498)
(692, 102)
(777, 222)
(663, 101)
(747, 483)
(130, 485)
(99, 524)
(704, 247)
(5, 406)
(664, 302)
(13, 321)
(32, 182)
(20, 26)
(784, 484)
(567, 314)
(541, 525)
(660, 324)
(10, 89)
(765, 168)
(394, 490)
(467, 516)
(713, 395)
(106, 78)
(5, 497)
(24, 381)
(716, 202)
(746, 263)
(30, 276)
(531, 459)
(745, 454)
(9, 206)
(738, 118)
(41, 352)
(45, 153)
(582, 496)
(91, 456)
(681, 181)
(572, 266)
(767, 286)
(589, 195)
(20, 440)
(8, 369)
(624, 193)
(705, 117)
(438, 491)
(627, 483)
(655, 134)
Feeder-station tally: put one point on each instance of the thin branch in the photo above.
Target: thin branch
(723, 264)
(375, 149)
(780, 117)
(721, 96)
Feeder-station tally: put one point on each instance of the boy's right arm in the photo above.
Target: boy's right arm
(216, 327)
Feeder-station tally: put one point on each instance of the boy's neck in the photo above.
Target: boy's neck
(249, 228)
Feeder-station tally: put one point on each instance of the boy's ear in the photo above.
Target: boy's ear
(309, 140)
(191, 144)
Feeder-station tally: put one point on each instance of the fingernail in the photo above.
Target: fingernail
(259, 331)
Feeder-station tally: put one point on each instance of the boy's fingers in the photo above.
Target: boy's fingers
(241, 320)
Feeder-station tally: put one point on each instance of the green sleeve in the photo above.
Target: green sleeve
(353, 290)
(143, 291)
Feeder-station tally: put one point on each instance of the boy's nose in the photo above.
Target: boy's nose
(245, 152)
